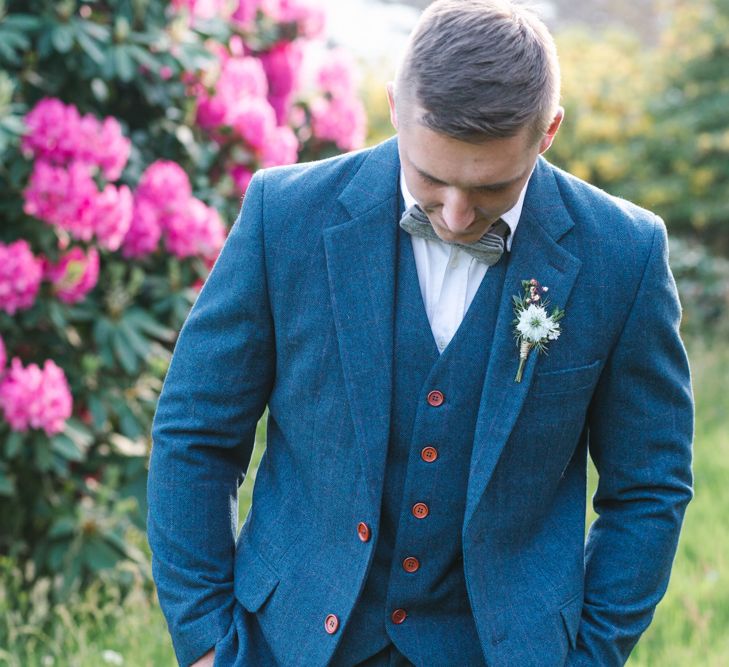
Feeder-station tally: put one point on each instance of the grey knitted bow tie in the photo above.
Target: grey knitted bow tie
(488, 249)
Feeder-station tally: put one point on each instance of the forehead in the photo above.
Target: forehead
(462, 163)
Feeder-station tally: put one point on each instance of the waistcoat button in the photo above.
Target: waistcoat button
(429, 454)
(411, 564)
(420, 510)
(363, 530)
(436, 398)
(398, 616)
(331, 623)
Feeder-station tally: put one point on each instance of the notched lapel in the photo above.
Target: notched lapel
(535, 253)
(361, 256)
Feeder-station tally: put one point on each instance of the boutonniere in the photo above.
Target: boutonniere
(533, 327)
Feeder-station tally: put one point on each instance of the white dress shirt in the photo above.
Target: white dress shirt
(449, 277)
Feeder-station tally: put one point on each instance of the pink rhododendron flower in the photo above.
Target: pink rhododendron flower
(166, 183)
(105, 145)
(241, 80)
(341, 120)
(62, 196)
(75, 275)
(145, 231)
(69, 198)
(113, 215)
(310, 18)
(282, 147)
(336, 74)
(52, 130)
(282, 65)
(246, 10)
(20, 276)
(241, 176)
(197, 230)
(211, 112)
(255, 121)
(58, 134)
(35, 398)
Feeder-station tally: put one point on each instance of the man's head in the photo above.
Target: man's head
(475, 101)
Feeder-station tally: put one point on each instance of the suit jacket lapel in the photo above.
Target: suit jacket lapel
(361, 254)
(535, 253)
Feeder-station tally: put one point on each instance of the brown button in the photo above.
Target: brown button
(363, 530)
(435, 398)
(429, 454)
(331, 624)
(398, 616)
(411, 564)
(420, 510)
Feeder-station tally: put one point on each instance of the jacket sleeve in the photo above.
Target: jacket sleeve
(203, 432)
(640, 439)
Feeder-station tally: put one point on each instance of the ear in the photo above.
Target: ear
(391, 102)
(552, 131)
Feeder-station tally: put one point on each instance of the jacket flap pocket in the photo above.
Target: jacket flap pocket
(255, 580)
(565, 380)
(571, 615)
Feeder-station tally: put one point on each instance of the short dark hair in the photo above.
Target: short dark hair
(480, 69)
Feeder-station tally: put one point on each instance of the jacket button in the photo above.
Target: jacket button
(429, 454)
(331, 624)
(420, 510)
(398, 616)
(435, 398)
(411, 564)
(363, 530)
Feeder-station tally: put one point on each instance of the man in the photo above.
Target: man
(416, 504)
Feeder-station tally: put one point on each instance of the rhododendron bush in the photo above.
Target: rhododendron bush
(128, 135)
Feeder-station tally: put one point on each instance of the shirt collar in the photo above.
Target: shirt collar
(511, 217)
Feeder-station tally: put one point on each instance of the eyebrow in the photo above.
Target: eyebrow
(489, 187)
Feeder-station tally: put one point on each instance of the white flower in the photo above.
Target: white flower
(535, 325)
(112, 657)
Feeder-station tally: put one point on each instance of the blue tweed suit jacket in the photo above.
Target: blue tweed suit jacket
(297, 316)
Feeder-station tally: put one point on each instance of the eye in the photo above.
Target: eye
(430, 180)
(492, 189)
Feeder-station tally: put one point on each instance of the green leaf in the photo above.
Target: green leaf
(144, 58)
(98, 412)
(63, 445)
(22, 22)
(149, 325)
(62, 38)
(90, 47)
(63, 527)
(128, 423)
(103, 329)
(123, 63)
(55, 312)
(124, 353)
(43, 455)
(137, 341)
(79, 433)
(98, 555)
(97, 31)
(7, 484)
(14, 445)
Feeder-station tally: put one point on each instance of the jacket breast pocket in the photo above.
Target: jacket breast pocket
(565, 380)
(254, 579)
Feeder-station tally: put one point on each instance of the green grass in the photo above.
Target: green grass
(690, 628)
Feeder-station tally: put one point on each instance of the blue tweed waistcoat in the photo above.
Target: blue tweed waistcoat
(433, 596)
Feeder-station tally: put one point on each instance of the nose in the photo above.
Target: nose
(458, 212)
